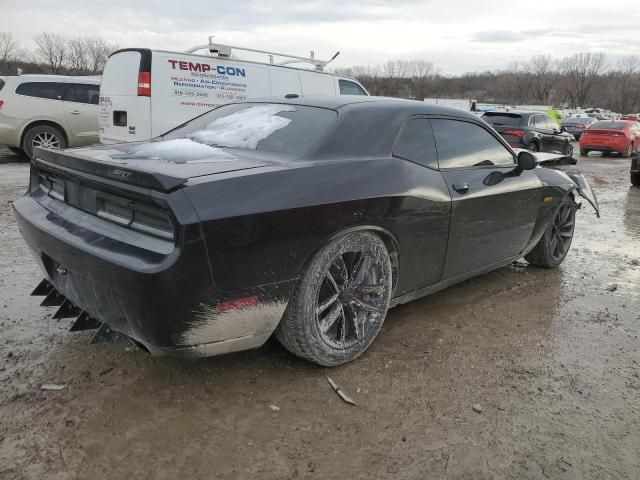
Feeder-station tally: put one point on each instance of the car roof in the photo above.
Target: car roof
(91, 79)
(337, 102)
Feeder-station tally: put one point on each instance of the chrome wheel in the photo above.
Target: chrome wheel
(352, 296)
(562, 231)
(45, 140)
(533, 147)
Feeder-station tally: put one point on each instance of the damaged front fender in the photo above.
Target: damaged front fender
(584, 189)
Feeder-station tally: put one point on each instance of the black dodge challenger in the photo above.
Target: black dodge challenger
(307, 218)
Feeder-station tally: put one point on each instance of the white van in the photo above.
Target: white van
(145, 93)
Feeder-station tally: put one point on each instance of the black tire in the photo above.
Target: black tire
(44, 135)
(351, 280)
(555, 243)
(568, 150)
(533, 147)
(635, 179)
(628, 153)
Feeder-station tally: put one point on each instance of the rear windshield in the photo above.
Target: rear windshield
(608, 125)
(1, 83)
(270, 127)
(511, 119)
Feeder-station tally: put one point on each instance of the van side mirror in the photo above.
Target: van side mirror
(526, 161)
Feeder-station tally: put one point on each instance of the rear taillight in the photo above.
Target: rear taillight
(1, 103)
(144, 84)
(515, 133)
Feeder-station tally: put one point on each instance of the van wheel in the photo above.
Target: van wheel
(340, 302)
(43, 136)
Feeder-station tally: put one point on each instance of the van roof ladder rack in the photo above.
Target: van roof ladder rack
(225, 51)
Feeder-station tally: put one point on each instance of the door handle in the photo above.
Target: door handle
(75, 112)
(461, 188)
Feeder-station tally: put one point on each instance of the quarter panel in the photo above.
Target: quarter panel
(263, 228)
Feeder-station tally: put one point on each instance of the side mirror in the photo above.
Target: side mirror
(526, 161)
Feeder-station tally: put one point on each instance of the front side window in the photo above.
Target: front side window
(541, 122)
(1, 83)
(415, 143)
(82, 93)
(350, 88)
(550, 123)
(48, 90)
(465, 144)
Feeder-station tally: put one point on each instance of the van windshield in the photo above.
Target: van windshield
(271, 127)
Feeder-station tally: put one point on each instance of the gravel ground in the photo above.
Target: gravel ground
(550, 357)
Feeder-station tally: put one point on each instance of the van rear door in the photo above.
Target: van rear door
(125, 97)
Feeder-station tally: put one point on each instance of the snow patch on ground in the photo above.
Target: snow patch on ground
(244, 129)
(180, 150)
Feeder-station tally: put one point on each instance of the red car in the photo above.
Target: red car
(630, 116)
(609, 136)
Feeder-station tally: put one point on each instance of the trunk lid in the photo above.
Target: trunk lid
(146, 165)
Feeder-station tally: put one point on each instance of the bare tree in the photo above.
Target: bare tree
(581, 70)
(10, 52)
(98, 51)
(53, 50)
(624, 85)
(78, 57)
(422, 73)
(520, 81)
(543, 75)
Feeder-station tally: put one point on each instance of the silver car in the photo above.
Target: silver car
(49, 111)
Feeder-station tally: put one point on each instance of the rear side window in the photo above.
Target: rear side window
(288, 129)
(350, 88)
(82, 93)
(49, 90)
(415, 142)
(464, 144)
(499, 119)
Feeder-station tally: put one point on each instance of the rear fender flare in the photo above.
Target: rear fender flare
(389, 239)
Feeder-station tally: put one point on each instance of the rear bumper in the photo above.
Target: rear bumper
(605, 148)
(165, 300)
(9, 134)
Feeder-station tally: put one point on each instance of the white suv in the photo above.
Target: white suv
(49, 111)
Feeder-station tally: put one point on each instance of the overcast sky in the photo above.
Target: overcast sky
(456, 35)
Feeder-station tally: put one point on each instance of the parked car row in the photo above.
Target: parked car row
(48, 111)
(609, 136)
(534, 131)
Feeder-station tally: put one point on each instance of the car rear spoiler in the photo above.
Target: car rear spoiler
(66, 160)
